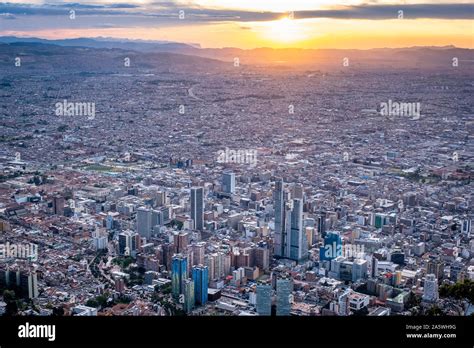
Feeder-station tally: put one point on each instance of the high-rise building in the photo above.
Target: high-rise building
(201, 280)
(129, 242)
(322, 224)
(198, 253)
(197, 207)
(298, 244)
(58, 205)
(178, 274)
(181, 242)
(262, 258)
(280, 224)
(430, 289)
(284, 288)
(228, 182)
(359, 270)
(189, 299)
(343, 302)
(435, 267)
(144, 220)
(156, 218)
(264, 299)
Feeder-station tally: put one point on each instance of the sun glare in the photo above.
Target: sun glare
(285, 30)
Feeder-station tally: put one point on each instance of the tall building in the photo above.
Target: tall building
(189, 299)
(430, 289)
(201, 280)
(198, 253)
(322, 224)
(128, 243)
(197, 207)
(343, 302)
(298, 244)
(280, 225)
(144, 222)
(181, 242)
(284, 296)
(228, 182)
(156, 218)
(435, 267)
(264, 299)
(178, 274)
(58, 205)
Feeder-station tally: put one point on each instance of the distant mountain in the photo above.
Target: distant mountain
(104, 42)
(411, 57)
(38, 55)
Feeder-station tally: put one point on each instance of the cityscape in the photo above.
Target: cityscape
(164, 178)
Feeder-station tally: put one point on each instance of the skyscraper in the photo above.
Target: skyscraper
(298, 244)
(284, 296)
(178, 274)
(201, 280)
(322, 224)
(264, 299)
(188, 295)
(430, 289)
(144, 222)
(280, 235)
(228, 182)
(197, 207)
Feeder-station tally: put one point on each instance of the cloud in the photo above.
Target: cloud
(7, 16)
(169, 10)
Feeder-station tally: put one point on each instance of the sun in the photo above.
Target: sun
(285, 30)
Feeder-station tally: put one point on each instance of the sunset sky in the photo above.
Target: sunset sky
(358, 24)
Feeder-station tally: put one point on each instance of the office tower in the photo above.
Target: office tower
(178, 274)
(189, 299)
(284, 288)
(322, 224)
(435, 267)
(198, 253)
(262, 258)
(397, 257)
(144, 222)
(280, 224)
(228, 182)
(430, 289)
(332, 247)
(210, 262)
(197, 207)
(201, 280)
(343, 302)
(58, 205)
(168, 252)
(264, 299)
(359, 270)
(298, 244)
(181, 242)
(156, 218)
(129, 242)
(455, 271)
